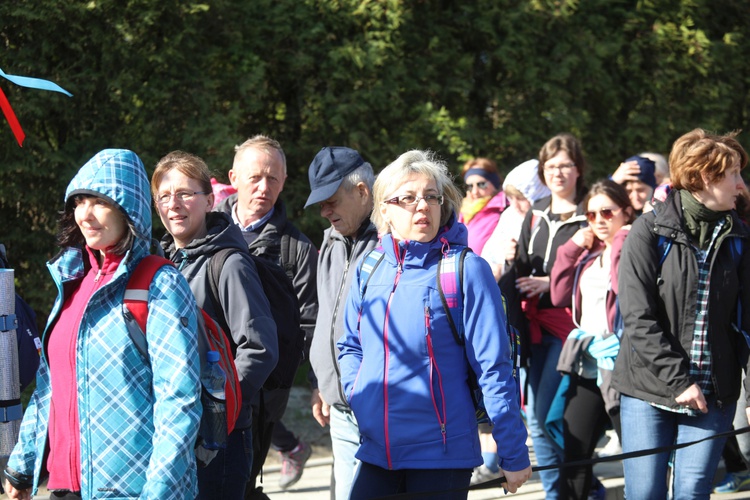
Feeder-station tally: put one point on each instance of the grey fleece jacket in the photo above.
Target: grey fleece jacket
(304, 269)
(337, 262)
(246, 308)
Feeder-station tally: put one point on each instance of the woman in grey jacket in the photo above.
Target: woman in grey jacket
(680, 362)
(181, 186)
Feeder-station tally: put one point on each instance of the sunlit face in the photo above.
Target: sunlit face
(608, 217)
(639, 193)
(478, 187)
(419, 222)
(102, 225)
(184, 219)
(519, 203)
(722, 194)
(258, 176)
(347, 208)
(561, 175)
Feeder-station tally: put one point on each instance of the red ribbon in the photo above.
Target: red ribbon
(10, 115)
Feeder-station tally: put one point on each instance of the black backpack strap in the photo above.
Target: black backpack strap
(215, 265)
(289, 243)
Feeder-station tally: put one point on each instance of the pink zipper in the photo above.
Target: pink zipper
(433, 364)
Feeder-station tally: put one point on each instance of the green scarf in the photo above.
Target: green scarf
(699, 220)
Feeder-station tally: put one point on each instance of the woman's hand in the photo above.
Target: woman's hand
(15, 494)
(693, 398)
(510, 250)
(584, 237)
(514, 480)
(533, 285)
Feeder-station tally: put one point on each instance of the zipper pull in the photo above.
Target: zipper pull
(445, 443)
(98, 275)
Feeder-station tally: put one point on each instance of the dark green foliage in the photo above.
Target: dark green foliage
(464, 78)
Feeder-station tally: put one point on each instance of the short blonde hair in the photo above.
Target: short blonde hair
(699, 152)
(190, 165)
(412, 162)
(262, 143)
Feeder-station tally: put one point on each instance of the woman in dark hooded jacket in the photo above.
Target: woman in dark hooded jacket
(181, 186)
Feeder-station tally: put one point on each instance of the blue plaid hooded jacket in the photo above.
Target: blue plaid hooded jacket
(138, 421)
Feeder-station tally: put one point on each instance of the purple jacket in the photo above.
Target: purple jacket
(569, 265)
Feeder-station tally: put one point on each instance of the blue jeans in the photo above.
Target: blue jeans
(645, 427)
(544, 379)
(227, 475)
(344, 445)
(372, 481)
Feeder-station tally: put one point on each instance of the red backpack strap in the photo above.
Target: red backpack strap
(135, 302)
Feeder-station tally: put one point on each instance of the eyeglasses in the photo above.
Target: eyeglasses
(410, 200)
(566, 167)
(480, 185)
(183, 196)
(606, 213)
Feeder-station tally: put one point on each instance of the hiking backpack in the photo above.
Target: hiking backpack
(27, 333)
(450, 280)
(211, 337)
(285, 311)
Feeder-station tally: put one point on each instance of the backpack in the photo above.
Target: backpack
(27, 333)
(285, 311)
(211, 337)
(450, 274)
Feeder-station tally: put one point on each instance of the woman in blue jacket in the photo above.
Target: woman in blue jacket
(404, 374)
(102, 422)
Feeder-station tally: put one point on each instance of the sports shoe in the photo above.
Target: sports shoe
(733, 482)
(292, 464)
(482, 474)
(612, 447)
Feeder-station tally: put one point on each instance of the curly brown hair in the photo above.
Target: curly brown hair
(699, 153)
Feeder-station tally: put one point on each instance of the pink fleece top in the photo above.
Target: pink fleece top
(483, 223)
(64, 461)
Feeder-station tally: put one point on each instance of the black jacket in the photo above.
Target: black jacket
(659, 309)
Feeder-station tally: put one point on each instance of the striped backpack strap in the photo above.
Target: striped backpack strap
(135, 303)
(371, 261)
(450, 281)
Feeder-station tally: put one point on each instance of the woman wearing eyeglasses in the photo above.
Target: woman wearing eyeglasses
(181, 186)
(404, 373)
(484, 201)
(684, 277)
(584, 277)
(551, 222)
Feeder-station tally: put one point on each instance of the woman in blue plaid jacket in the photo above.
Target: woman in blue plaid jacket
(103, 422)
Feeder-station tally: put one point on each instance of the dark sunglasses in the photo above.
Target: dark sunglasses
(606, 213)
(480, 185)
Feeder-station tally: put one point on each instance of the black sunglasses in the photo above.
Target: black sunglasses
(480, 185)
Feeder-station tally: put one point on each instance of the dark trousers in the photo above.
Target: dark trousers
(585, 420)
(227, 474)
(65, 495)
(274, 405)
(371, 481)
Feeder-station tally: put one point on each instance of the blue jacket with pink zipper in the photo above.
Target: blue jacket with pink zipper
(406, 377)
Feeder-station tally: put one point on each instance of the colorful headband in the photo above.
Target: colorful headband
(490, 176)
(32, 83)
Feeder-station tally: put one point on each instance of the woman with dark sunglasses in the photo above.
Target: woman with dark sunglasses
(584, 277)
(484, 201)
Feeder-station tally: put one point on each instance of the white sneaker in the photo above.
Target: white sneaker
(612, 447)
(482, 474)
